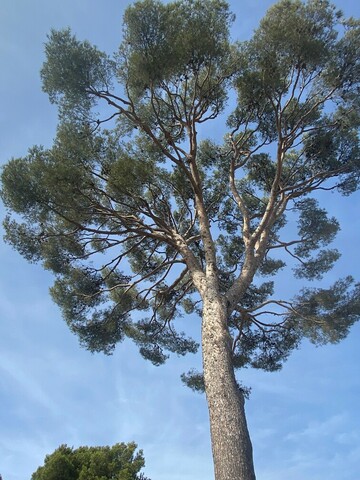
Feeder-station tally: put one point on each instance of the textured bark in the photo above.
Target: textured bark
(231, 444)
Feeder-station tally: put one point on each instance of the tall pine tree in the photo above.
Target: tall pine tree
(143, 222)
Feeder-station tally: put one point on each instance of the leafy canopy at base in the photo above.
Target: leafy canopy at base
(119, 462)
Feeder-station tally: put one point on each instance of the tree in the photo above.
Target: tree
(119, 462)
(143, 220)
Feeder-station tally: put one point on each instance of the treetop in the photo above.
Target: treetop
(136, 214)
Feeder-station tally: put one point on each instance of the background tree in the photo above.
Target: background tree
(119, 462)
(145, 221)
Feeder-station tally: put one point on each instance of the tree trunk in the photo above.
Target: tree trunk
(231, 444)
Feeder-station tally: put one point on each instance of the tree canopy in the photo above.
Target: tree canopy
(132, 208)
(119, 462)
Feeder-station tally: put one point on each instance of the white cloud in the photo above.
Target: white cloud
(317, 429)
(29, 388)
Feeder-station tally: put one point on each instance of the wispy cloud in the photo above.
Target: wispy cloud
(317, 429)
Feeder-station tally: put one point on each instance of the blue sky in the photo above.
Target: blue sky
(304, 421)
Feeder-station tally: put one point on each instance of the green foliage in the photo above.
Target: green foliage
(292, 36)
(131, 216)
(326, 315)
(73, 69)
(265, 349)
(315, 230)
(194, 380)
(167, 42)
(119, 462)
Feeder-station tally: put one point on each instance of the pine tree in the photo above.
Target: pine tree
(143, 221)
